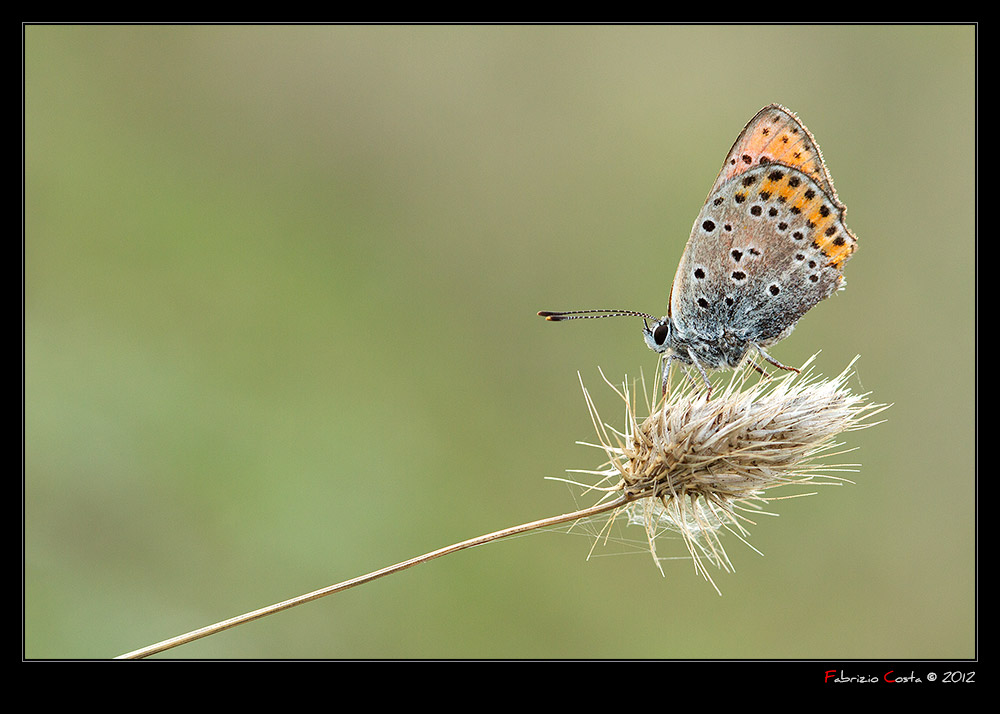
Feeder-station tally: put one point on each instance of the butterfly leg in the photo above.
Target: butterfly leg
(665, 375)
(758, 368)
(704, 375)
(773, 361)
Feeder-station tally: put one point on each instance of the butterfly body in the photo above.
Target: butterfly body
(769, 243)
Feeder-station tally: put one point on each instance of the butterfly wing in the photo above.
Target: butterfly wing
(775, 135)
(769, 243)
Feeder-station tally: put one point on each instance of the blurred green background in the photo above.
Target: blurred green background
(280, 290)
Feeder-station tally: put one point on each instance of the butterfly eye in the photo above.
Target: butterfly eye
(661, 332)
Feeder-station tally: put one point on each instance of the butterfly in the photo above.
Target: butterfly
(769, 243)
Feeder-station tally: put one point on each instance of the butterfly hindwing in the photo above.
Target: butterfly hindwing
(768, 245)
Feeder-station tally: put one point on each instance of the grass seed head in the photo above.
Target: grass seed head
(698, 466)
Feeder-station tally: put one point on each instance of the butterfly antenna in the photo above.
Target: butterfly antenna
(592, 314)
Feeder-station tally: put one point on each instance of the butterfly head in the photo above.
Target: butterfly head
(657, 334)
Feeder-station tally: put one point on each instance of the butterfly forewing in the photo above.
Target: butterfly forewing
(775, 135)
